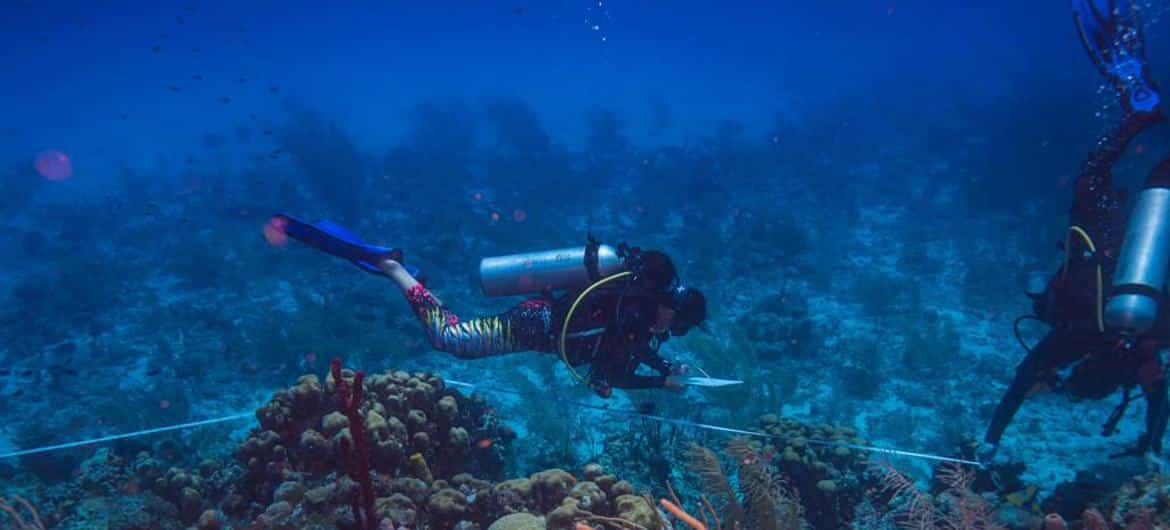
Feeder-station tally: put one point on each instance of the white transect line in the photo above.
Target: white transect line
(720, 428)
(662, 419)
(111, 438)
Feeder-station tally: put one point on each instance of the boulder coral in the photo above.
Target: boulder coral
(424, 471)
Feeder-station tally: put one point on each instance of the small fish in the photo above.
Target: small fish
(197, 77)
(175, 88)
(5, 371)
(646, 407)
(243, 80)
(196, 50)
(153, 371)
(163, 36)
(485, 443)
(275, 153)
(243, 29)
(156, 48)
(179, 20)
(267, 132)
(124, 116)
(26, 373)
(274, 89)
(225, 99)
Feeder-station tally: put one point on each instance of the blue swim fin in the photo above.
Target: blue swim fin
(1112, 34)
(332, 238)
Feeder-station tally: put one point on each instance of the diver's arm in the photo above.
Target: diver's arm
(629, 378)
(1029, 379)
(634, 382)
(656, 362)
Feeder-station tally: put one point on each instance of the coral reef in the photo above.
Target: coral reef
(955, 507)
(1141, 503)
(828, 476)
(430, 461)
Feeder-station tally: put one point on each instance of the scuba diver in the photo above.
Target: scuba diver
(1101, 341)
(617, 307)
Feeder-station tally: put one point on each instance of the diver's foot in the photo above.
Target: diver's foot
(390, 266)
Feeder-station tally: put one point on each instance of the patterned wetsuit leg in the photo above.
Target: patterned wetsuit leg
(527, 326)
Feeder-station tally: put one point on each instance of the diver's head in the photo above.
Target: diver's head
(688, 307)
(655, 271)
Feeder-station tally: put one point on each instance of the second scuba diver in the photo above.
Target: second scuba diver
(1100, 341)
(616, 307)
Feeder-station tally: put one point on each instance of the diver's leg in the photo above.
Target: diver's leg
(399, 274)
(1152, 377)
(524, 327)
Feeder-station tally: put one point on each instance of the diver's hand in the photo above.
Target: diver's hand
(1155, 462)
(986, 453)
(602, 388)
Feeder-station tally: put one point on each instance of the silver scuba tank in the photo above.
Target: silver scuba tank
(1141, 266)
(535, 272)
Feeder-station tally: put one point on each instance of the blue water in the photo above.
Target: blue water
(861, 189)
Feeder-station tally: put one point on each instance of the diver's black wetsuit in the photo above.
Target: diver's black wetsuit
(610, 331)
(1099, 361)
(626, 316)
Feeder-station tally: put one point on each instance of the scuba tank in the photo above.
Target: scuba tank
(548, 270)
(1141, 267)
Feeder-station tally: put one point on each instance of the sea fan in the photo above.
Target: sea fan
(704, 463)
(771, 503)
(957, 508)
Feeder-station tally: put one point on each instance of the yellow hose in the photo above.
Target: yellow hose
(569, 317)
(1093, 249)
